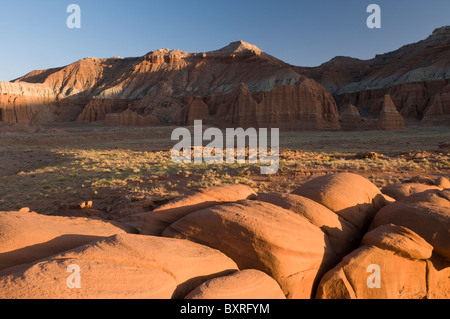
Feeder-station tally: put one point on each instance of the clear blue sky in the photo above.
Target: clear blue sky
(300, 32)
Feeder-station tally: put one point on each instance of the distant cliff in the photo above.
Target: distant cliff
(238, 85)
(417, 76)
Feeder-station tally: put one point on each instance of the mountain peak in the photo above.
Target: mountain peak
(442, 30)
(238, 47)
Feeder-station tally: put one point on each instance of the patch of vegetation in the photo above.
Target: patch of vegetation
(133, 165)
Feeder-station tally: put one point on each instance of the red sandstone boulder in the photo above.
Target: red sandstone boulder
(343, 236)
(121, 266)
(434, 196)
(26, 237)
(245, 284)
(262, 236)
(431, 222)
(442, 182)
(351, 196)
(392, 263)
(399, 239)
(438, 274)
(160, 218)
(98, 109)
(399, 191)
(400, 278)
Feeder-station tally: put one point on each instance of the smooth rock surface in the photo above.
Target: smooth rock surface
(160, 218)
(351, 196)
(120, 266)
(27, 237)
(245, 284)
(262, 236)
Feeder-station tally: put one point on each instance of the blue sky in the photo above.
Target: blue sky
(300, 32)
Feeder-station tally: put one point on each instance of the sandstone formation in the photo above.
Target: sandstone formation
(399, 191)
(305, 105)
(159, 219)
(130, 118)
(438, 110)
(350, 196)
(250, 231)
(389, 119)
(26, 103)
(265, 237)
(417, 76)
(236, 85)
(409, 243)
(245, 284)
(343, 236)
(98, 109)
(26, 237)
(401, 278)
(434, 197)
(121, 266)
(173, 86)
(350, 118)
(428, 220)
(164, 83)
(197, 110)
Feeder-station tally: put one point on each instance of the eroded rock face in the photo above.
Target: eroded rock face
(121, 266)
(418, 85)
(130, 118)
(98, 109)
(389, 118)
(176, 87)
(26, 237)
(26, 103)
(305, 105)
(350, 118)
(438, 110)
(198, 110)
(413, 101)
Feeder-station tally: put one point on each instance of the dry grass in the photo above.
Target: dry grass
(113, 166)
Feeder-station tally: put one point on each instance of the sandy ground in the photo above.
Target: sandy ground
(127, 170)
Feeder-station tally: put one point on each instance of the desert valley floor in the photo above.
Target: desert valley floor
(53, 169)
